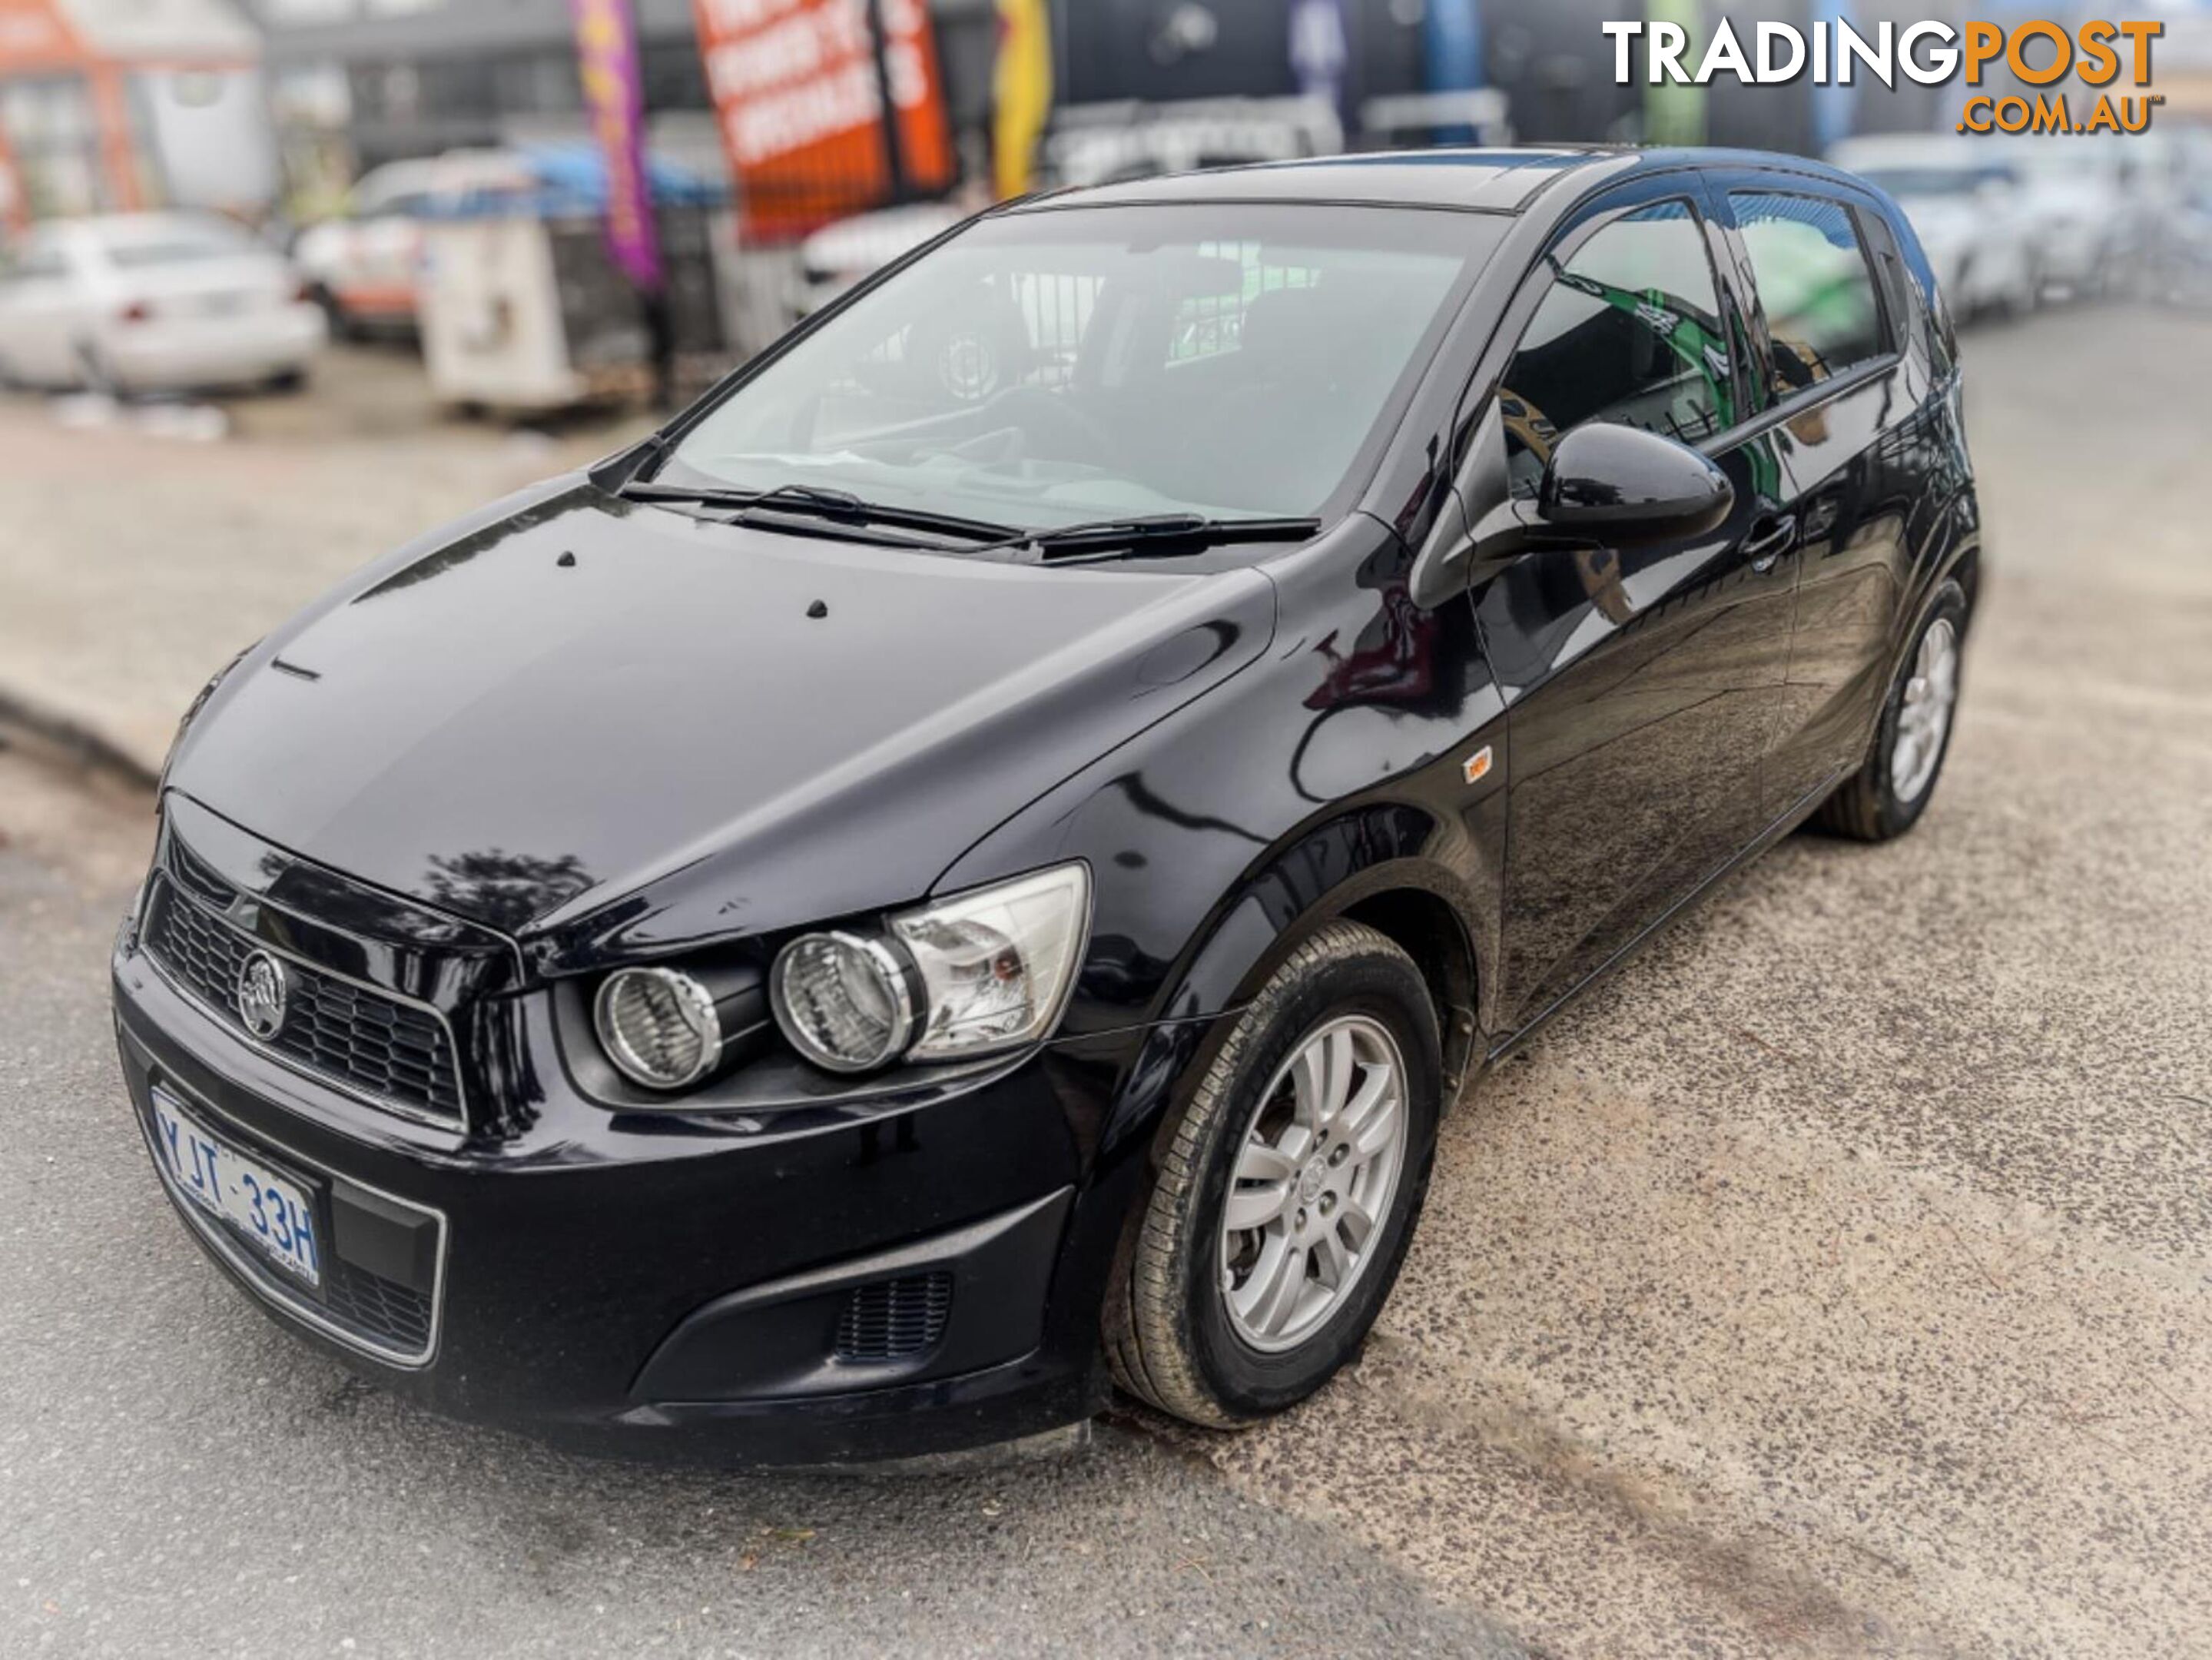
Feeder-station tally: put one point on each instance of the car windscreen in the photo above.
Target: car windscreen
(1053, 367)
(174, 242)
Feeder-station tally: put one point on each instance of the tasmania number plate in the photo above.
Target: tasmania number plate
(273, 1213)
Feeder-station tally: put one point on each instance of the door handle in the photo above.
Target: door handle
(1770, 538)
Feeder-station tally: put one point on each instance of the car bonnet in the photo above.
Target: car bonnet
(631, 728)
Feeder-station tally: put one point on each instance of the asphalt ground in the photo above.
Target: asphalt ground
(1834, 1280)
(178, 1477)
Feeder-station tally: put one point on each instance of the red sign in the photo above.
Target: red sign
(799, 96)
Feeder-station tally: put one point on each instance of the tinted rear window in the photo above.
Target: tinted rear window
(1813, 283)
(175, 245)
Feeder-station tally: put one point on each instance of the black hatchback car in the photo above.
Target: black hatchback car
(969, 866)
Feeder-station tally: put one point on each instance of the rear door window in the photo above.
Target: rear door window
(1814, 286)
(38, 260)
(141, 245)
(1912, 320)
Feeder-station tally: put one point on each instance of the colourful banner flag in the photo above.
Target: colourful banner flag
(805, 91)
(614, 94)
(1021, 93)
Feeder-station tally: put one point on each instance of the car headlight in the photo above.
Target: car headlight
(984, 971)
(660, 1026)
(844, 1002)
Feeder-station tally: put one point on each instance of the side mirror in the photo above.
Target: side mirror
(1607, 485)
(1621, 486)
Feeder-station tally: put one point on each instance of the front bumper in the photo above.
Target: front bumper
(652, 1284)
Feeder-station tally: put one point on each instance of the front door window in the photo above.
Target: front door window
(1630, 332)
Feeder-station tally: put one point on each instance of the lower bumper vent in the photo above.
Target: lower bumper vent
(380, 1308)
(895, 1319)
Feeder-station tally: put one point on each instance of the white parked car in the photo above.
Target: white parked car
(152, 301)
(2094, 222)
(363, 266)
(1970, 210)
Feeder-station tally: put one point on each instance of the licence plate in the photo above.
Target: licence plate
(275, 1214)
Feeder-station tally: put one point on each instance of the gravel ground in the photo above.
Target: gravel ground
(1834, 1280)
(135, 565)
(178, 1477)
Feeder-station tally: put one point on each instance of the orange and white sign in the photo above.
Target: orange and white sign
(34, 37)
(45, 35)
(99, 43)
(801, 102)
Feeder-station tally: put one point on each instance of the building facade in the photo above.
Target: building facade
(357, 83)
(112, 106)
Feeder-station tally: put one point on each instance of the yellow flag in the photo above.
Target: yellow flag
(1021, 93)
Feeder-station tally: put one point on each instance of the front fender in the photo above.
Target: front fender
(1332, 868)
(1333, 771)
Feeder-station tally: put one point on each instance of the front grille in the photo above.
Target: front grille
(895, 1319)
(391, 1052)
(382, 1309)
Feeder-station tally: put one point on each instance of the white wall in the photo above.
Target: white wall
(210, 135)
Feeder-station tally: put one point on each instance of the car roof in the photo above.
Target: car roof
(1493, 181)
(1470, 180)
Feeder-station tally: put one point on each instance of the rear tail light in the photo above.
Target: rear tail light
(304, 293)
(136, 312)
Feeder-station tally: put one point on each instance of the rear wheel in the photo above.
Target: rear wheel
(1962, 286)
(95, 373)
(1285, 1201)
(1888, 794)
(335, 316)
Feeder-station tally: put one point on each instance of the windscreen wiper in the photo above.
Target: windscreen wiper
(1152, 534)
(821, 501)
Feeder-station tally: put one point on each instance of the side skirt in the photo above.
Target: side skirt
(1781, 827)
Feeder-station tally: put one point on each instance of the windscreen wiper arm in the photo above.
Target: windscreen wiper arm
(1153, 534)
(820, 501)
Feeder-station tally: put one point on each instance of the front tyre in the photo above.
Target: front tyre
(1888, 794)
(1289, 1193)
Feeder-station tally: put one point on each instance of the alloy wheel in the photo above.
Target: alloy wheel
(1924, 720)
(1315, 1175)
